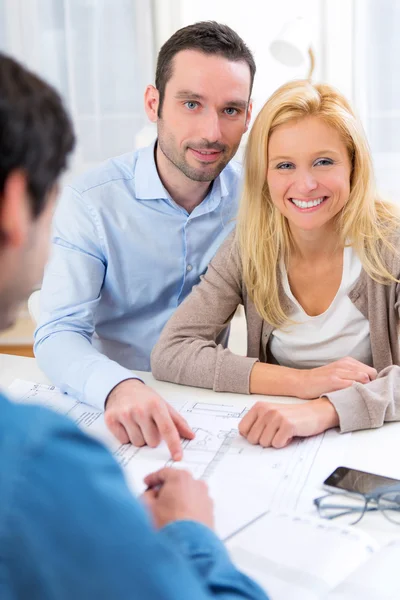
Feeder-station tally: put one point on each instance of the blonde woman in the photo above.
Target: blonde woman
(315, 262)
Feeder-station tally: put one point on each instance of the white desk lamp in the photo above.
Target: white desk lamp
(292, 47)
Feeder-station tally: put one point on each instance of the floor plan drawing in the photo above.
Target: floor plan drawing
(244, 479)
(215, 410)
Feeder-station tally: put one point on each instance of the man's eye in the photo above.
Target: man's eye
(285, 166)
(231, 111)
(191, 105)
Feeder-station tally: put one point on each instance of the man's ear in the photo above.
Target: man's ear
(151, 102)
(248, 115)
(15, 210)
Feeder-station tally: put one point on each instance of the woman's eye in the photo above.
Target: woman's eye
(324, 162)
(285, 166)
(191, 105)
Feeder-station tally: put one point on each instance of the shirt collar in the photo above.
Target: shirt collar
(220, 187)
(148, 184)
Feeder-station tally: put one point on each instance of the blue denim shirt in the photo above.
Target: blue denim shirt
(71, 530)
(124, 256)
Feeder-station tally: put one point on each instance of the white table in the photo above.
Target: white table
(375, 450)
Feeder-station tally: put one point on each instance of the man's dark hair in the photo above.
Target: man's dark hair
(36, 134)
(208, 37)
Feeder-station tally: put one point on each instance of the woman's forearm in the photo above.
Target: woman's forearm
(308, 384)
(274, 380)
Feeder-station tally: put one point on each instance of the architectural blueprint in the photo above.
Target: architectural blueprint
(244, 480)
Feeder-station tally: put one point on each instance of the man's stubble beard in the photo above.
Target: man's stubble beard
(167, 146)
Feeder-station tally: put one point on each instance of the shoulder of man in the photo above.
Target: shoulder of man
(115, 169)
(42, 449)
(48, 467)
(27, 429)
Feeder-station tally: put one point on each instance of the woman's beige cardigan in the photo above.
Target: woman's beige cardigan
(188, 353)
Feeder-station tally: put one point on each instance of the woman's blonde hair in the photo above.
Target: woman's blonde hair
(263, 234)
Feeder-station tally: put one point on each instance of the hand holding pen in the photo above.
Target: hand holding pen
(173, 495)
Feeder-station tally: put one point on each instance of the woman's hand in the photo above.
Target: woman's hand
(270, 424)
(338, 375)
(275, 380)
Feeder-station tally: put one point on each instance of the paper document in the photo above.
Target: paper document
(244, 480)
(294, 557)
(375, 579)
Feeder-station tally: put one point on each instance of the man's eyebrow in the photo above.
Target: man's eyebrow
(189, 95)
(238, 104)
(182, 94)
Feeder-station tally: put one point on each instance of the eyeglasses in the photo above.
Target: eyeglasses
(351, 507)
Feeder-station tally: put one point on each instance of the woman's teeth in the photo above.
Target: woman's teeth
(307, 204)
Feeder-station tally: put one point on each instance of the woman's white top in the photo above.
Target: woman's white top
(338, 332)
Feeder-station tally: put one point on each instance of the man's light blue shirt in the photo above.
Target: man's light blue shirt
(124, 257)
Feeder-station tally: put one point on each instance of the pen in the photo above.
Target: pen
(157, 487)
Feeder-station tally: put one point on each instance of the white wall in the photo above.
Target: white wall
(258, 22)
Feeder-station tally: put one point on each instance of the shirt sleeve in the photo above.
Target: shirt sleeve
(187, 351)
(74, 530)
(69, 297)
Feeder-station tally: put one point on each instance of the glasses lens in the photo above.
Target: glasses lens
(346, 509)
(389, 504)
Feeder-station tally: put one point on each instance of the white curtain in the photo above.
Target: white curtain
(377, 86)
(99, 54)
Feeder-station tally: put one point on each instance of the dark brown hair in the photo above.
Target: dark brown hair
(208, 37)
(36, 134)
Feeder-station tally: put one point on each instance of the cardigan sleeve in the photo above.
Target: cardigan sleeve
(368, 406)
(187, 351)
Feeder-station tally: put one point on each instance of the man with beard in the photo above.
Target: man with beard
(132, 237)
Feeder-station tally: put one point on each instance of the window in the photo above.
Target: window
(377, 86)
(99, 54)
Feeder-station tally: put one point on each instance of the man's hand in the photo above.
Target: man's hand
(276, 425)
(174, 495)
(135, 413)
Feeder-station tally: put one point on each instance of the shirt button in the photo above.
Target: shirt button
(189, 268)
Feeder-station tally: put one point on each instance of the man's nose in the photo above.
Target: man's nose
(212, 127)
